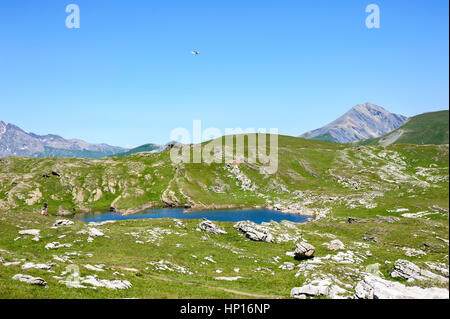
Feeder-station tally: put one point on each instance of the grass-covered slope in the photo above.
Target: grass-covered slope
(427, 128)
(140, 250)
(398, 195)
(326, 138)
(309, 173)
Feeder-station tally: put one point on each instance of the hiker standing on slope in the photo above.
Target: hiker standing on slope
(44, 210)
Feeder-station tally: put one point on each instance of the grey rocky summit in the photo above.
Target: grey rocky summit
(361, 122)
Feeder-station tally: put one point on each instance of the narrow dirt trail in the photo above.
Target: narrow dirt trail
(233, 291)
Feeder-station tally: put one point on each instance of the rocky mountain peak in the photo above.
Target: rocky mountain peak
(361, 122)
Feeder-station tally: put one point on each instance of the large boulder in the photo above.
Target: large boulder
(254, 231)
(373, 287)
(210, 227)
(30, 280)
(304, 251)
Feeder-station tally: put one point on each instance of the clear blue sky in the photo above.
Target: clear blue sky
(127, 77)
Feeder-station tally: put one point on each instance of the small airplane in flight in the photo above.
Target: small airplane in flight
(195, 52)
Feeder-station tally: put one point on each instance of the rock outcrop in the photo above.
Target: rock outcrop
(336, 244)
(32, 232)
(287, 266)
(373, 287)
(110, 284)
(62, 222)
(95, 232)
(317, 288)
(210, 227)
(93, 281)
(30, 280)
(254, 231)
(37, 266)
(56, 245)
(407, 270)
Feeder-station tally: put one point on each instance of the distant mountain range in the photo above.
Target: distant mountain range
(364, 124)
(361, 122)
(427, 128)
(16, 142)
(140, 149)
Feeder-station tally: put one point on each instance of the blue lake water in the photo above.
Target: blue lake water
(255, 215)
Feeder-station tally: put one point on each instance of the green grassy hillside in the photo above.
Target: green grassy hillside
(397, 194)
(326, 138)
(307, 171)
(427, 128)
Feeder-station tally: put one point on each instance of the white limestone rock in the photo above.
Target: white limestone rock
(95, 232)
(287, 266)
(32, 232)
(56, 245)
(210, 227)
(94, 268)
(30, 280)
(411, 272)
(315, 288)
(335, 244)
(63, 222)
(37, 266)
(254, 231)
(228, 278)
(373, 287)
(110, 284)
